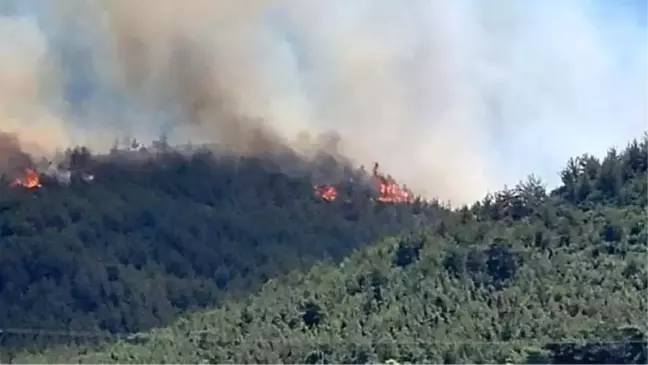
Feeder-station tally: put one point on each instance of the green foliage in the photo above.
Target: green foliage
(523, 276)
(154, 238)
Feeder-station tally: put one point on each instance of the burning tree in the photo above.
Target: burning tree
(30, 179)
(389, 191)
(326, 192)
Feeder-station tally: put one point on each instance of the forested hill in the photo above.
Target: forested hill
(521, 276)
(137, 239)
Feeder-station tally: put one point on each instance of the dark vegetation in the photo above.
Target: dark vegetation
(153, 237)
(524, 275)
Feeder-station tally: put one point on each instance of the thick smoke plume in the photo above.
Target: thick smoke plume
(454, 98)
(24, 84)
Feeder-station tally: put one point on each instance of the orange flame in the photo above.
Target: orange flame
(392, 193)
(31, 180)
(326, 192)
(389, 191)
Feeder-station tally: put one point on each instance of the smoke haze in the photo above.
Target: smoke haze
(453, 98)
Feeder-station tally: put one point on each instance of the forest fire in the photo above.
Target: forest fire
(326, 192)
(30, 180)
(388, 190)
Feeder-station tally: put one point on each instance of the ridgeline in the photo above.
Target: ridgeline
(524, 275)
(151, 236)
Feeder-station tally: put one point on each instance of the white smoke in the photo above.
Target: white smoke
(25, 84)
(454, 98)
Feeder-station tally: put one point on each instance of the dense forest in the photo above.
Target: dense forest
(154, 235)
(525, 275)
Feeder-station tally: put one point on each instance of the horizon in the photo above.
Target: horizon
(461, 98)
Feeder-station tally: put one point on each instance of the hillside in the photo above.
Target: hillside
(126, 244)
(521, 276)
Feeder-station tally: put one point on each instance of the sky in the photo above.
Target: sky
(454, 98)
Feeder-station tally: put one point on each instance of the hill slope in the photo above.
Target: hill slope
(520, 276)
(149, 239)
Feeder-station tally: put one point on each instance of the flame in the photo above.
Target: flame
(31, 180)
(326, 192)
(389, 190)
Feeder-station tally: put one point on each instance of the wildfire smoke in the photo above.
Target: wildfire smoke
(30, 180)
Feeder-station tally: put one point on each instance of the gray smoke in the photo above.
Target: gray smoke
(453, 98)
